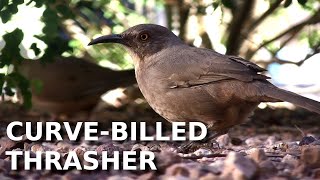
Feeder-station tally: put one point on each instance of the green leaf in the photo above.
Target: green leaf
(313, 38)
(201, 10)
(65, 11)
(17, 80)
(13, 8)
(228, 3)
(215, 5)
(21, 81)
(51, 20)
(8, 91)
(39, 3)
(3, 3)
(35, 49)
(11, 51)
(18, 2)
(5, 16)
(302, 2)
(51, 1)
(287, 3)
(28, 3)
(2, 77)
(57, 47)
(16, 36)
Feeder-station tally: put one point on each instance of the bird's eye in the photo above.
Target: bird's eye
(144, 37)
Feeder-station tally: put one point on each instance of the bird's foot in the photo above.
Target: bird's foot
(194, 145)
(207, 142)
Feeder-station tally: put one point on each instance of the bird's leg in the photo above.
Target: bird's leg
(209, 139)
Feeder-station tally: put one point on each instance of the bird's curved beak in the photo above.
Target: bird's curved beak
(113, 38)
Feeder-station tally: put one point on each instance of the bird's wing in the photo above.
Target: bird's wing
(203, 66)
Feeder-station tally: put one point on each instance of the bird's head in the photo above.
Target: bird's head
(142, 41)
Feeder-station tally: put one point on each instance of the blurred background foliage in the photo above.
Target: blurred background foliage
(268, 32)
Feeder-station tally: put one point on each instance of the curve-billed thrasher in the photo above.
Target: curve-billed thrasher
(71, 84)
(184, 83)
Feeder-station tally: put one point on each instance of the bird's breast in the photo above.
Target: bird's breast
(154, 87)
(174, 104)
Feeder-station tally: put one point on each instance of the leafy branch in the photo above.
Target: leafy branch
(314, 19)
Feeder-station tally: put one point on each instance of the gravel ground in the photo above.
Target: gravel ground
(275, 144)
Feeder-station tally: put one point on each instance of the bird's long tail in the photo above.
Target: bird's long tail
(283, 95)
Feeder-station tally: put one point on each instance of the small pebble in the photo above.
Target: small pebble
(306, 140)
(310, 155)
(238, 167)
(223, 140)
(290, 159)
(257, 154)
(253, 142)
(201, 152)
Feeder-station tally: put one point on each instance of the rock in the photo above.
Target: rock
(155, 146)
(293, 144)
(296, 150)
(187, 170)
(239, 167)
(139, 147)
(253, 142)
(147, 176)
(278, 178)
(270, 141)
(299, 171)
(64, 147)
(5, 144)
(201, 152)
(267, 166)
(210, 176)
(165, 159)
(236, 141)
(3, 177)
(310, 155)
(119, 177)
(110, 148)
(80, 152)
(105, 139)
(166, 177)
(223, 140)
(317, 142)
(316, 173)
(5, 166)
(290, 160)
(38, 147)
(55, 177)
(217, 166)
(257, 154)
(306, 140)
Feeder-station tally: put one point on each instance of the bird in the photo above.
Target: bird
(184, 83)
(70, 84)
